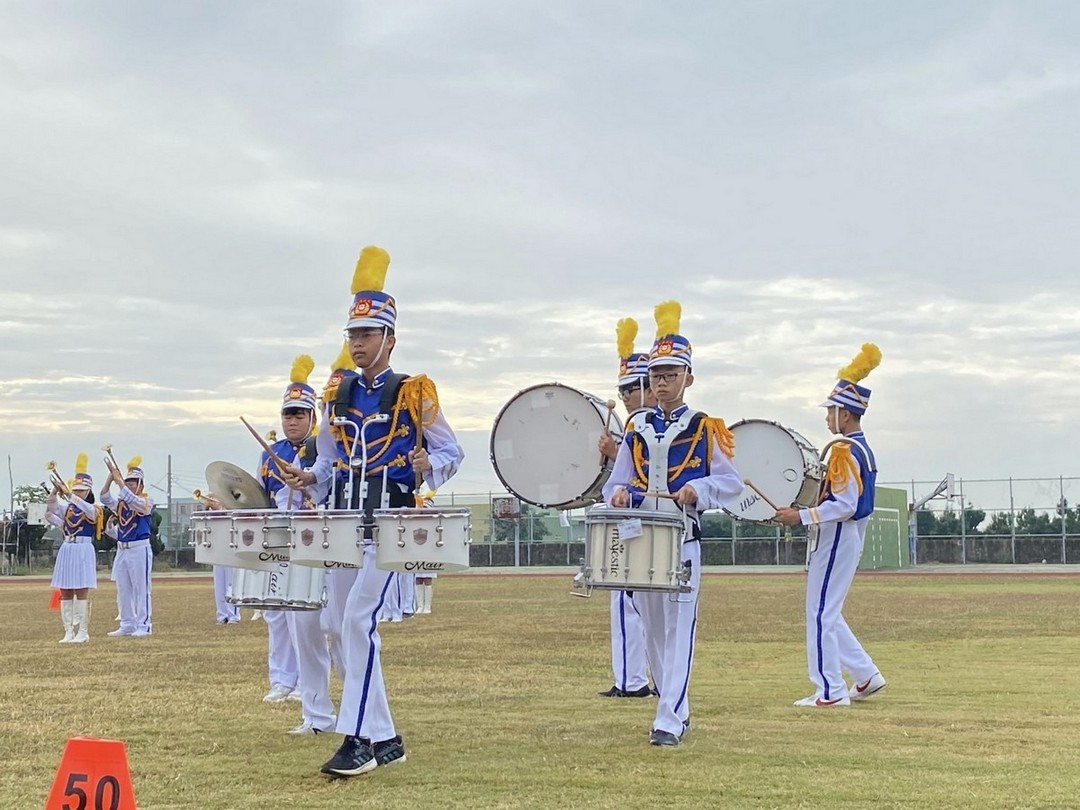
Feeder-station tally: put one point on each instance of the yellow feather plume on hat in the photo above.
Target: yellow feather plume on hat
(370, 273)
(271, 436)
(625, 332)
(302, 367)
(344, 359)
(864, 362)
(135, 462)
(81, 461)
(668, 315)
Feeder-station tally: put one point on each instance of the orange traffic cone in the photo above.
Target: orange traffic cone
(54, 603)
(92, 773)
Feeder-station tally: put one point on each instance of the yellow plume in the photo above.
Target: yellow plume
(271, 436)
(863, 363)
(625, 332)
(668, 315)
(344, 359)
(370, 273)
(301, 368)
(135, 461)
(81, 461)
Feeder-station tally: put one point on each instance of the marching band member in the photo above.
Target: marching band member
(686, 456)
(75, 571)
(628, 663)
(845, 504)
(296, 423)
(134, 511)
(306, 636)
(402, 435)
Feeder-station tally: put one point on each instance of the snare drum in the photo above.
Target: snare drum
(634, 550)
(259, 532)
(422, 540)
(287, 587)
(780, 462)
(544, 446)
(330, 536)
(218, 540)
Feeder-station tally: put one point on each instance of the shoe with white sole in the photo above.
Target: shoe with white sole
(306, 729)
(294, 695)
(815, 702)
(277, 694)
(861, 691)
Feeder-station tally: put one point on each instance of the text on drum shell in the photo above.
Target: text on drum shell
(423, 566)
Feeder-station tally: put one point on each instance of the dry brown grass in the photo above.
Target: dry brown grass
(495, 695)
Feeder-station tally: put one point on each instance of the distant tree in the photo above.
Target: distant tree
(504, 529)
(29, 493)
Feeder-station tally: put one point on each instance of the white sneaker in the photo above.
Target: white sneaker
(861, 691)
(294, 695)
(815, 702)
(256, 615)
(305, 729)
(120, 632)
(276, 694)
(140, 633)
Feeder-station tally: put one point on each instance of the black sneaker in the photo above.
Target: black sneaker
(644, 691)
(354, 757)
(387, 752)
(612, 692)
(665, 738)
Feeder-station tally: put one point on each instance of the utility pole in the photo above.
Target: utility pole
(168, 500)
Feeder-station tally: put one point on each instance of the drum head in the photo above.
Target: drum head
(776, 460)
(544, 444)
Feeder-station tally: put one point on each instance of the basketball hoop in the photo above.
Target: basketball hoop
(506, 508)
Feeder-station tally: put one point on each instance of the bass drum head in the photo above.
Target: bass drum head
(776, 459)
(544, 446)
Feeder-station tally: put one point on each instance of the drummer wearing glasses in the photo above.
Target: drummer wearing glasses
(673, 459)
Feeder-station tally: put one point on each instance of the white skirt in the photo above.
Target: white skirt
(76, 566)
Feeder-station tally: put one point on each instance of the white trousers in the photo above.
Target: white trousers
(365, 711)
(339, 582)
(223, 577)
(313, 667)
(132, 569)
(281, 655)
(391, 606)
(670, 622)
(627, 644)
(407, 593)
(831, 647)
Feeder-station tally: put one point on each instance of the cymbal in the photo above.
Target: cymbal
(235, 488)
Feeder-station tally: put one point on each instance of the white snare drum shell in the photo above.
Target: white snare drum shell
(286, 587)
(633, 549)
(216, 541)
(780, 462)
(261, 532)
(422, 540)
(320, 539)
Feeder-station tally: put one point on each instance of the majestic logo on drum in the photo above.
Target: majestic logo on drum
(269, 556)
(307, 537)
(362, 306)
(616, 549)
(247, 537)
(419, 536)
(329, 564)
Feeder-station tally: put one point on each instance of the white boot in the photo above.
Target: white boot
(66, 613)
(425, 590)
(81, 617)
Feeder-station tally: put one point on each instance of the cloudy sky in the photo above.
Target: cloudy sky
(186, 186)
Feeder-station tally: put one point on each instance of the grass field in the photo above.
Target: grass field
(494, 693)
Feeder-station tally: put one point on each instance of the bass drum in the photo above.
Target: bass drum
(544, 446)
(780, 462)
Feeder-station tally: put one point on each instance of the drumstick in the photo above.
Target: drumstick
(761, 494)
(273, 456)
(667, 495)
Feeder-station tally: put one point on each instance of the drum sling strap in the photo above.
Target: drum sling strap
(399, 495)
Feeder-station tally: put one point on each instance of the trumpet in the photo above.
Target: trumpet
(57, 482)
(208, 500)
(110, 460)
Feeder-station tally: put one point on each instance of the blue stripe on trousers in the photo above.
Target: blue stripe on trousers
(821, 609)
(371, 655)
(622, 630)
(689, 660)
